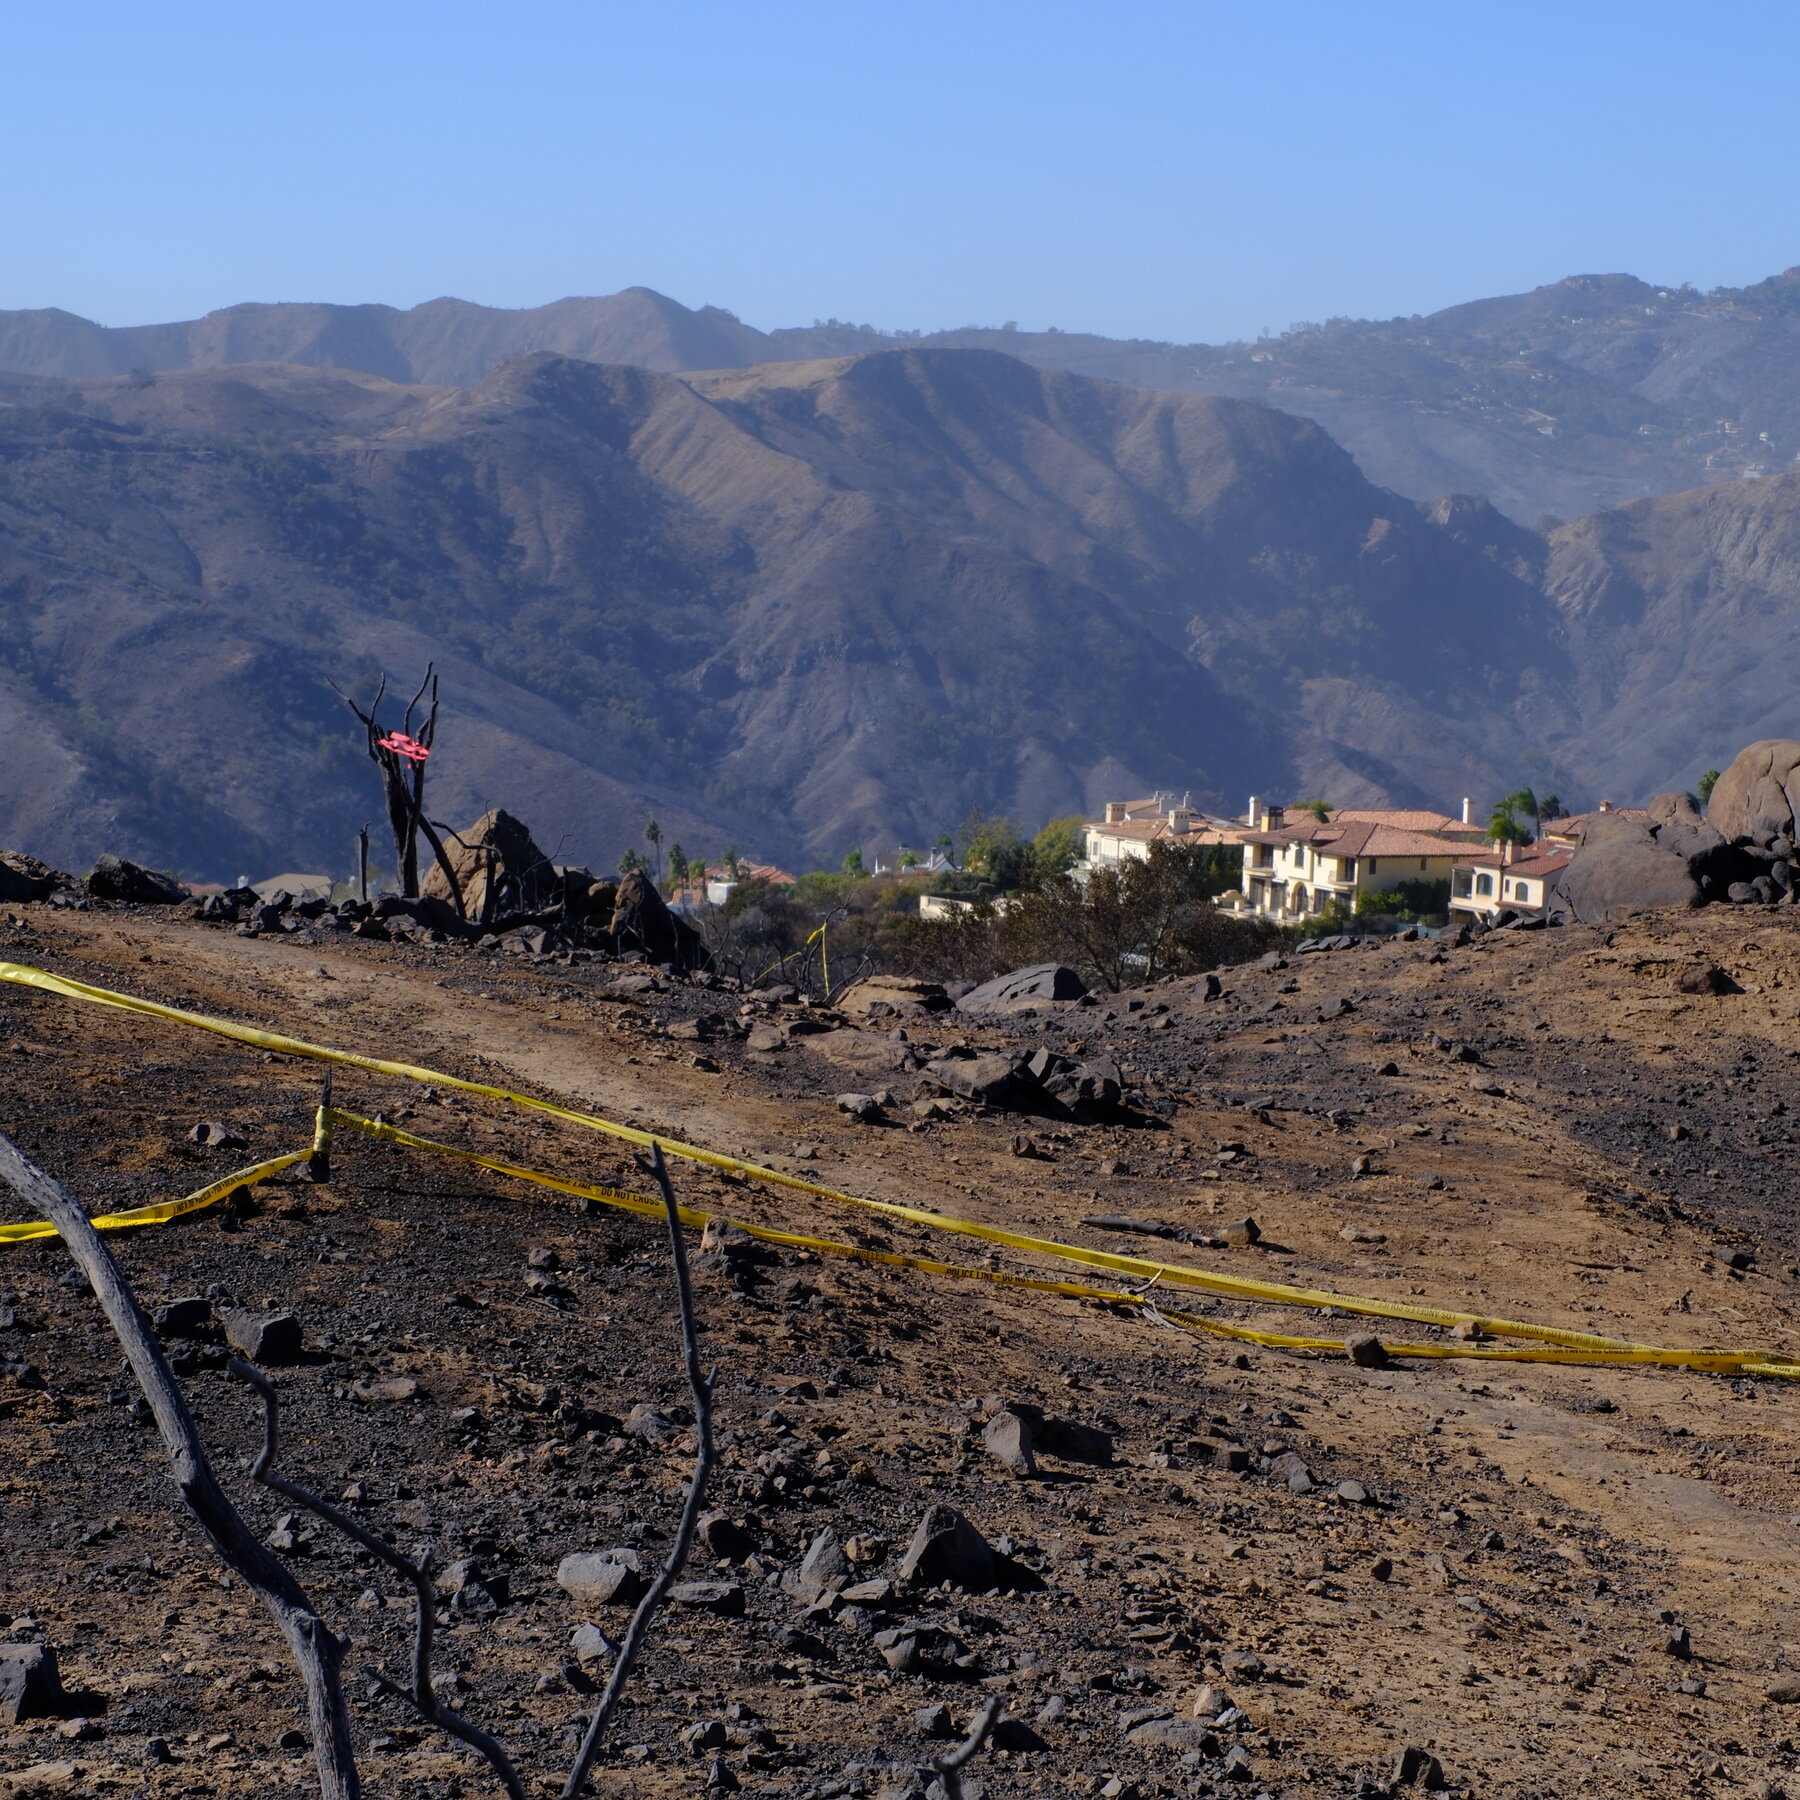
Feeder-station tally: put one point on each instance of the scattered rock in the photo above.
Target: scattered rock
(1708, 978)
(1040, 982)
(30, 1683)
(992, 1080)
(591, 1644)
(188, 1317)
(822, 1570)
(946, 1547)
(1366, 1350)
(1414, 1767)
(472, 1588)
(1007, 1437)
(113, 878)
(726, 1598)
(393, 1391)
(602, 1577)
(274, 1338)
(862, 1108)
(725, 1538)
(1177, 1735)
(215, 1134)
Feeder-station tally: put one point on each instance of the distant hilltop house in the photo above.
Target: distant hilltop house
(713, 885)
(1132, 826)
(1509, 879)
(1299, 870)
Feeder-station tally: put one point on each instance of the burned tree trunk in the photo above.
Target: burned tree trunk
(401, 757)
(316, 1650)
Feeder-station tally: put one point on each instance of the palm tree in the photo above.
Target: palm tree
(653, 837)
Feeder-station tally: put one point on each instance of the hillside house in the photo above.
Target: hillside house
(1511, 879)
(1293, 872)
(1132, 826)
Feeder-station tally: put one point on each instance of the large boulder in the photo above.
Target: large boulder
(642, 921)
(1672, 858)
(498, 866)
(1757, 799)
(903, 994)
(1032, 986)
(23, 877)
(114, 878)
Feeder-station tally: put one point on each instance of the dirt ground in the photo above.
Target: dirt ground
(1510, 1597)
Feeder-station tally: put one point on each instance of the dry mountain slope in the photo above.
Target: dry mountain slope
(1683, 617)
(794, 606)
(1583, 393)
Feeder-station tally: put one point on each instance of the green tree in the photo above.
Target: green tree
(653, 837)
(632, 862)
(853, 862)
(993, 849)
(733, 862)
(1508, 822)
(908, 859)
(1318, 809)
(678, 866)
(1706, 785)
(1132, 922)
(1060, 845)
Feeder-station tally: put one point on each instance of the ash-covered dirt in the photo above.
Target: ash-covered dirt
(1539, 1125)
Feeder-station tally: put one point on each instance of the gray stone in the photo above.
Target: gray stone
(272, 1337)
(993, 1080)
(472, 1588)
(1366, 1350)
(1757, 798)
(1177, 1735)
(601, 1578)
(822, 1570)
(189, 1317)
(113, 878)
(1040, 982)
(1007, 1437)
(30, 1683)
(725, 1538)
(862, 1108)
(726, 1598)
(591, 1644)
(946, 1547)
(1414, 1767)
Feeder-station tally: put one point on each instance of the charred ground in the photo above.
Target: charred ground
(1539, 1124)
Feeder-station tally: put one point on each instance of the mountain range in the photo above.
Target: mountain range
(1551, 404)
(804, 605)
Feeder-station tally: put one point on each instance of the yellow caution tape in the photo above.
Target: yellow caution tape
(165, 1210)
(1588, 1345)
(1140, 1303)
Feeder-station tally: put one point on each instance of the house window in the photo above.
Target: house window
(1460, 883)
(1484, 884)
(1421, 865)
(1347, 868)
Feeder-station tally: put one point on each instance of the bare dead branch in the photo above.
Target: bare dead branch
(316, 1650)
(951, 1764)
(700, 1385)
(422, 1696)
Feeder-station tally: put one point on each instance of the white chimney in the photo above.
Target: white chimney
(1254, 823)
(1178, 820)
(1468, 810)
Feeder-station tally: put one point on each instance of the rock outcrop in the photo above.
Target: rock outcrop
(499, 868)
(642, 921)
(1024, 987)
(1757, 800)
(1672, 858)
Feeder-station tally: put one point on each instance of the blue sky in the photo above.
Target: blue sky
(1144, 168)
